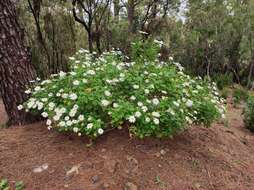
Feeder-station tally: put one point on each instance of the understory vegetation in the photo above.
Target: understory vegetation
(4, 185)
(249, 113)
(149, 96)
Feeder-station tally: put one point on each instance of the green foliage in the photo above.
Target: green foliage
(4, 185)
(217, 36)
(249, 114)
(19, 185)
(223, 80)
(146, 50)
(225, 93)
(239, 94)
(150, 97)
(159, 182)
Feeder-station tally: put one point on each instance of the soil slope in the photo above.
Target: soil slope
(216, 158)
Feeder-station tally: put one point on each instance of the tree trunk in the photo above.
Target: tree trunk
(16, 69)
(35, 9)
(131, 11)
(234, 58)
(251, 67)
(90, 42)
(116, 9)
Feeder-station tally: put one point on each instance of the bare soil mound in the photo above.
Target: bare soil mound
(216, 158)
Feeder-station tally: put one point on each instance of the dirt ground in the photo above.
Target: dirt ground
(216, 158)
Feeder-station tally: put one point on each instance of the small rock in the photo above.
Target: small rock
(130, 186)
(159, 166)
(95, 179)
(132, 159)
(158, 154)
(132, 165)
(104, 186)
(74, 169)
(111, 165)
(103, 150)
(162, 152)
(197, 185)
(41, 168)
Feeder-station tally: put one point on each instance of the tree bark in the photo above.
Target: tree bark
(16, 69)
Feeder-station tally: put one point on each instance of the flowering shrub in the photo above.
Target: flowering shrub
(151, 98)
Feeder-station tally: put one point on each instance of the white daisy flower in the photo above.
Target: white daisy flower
(133, 98)
(76, 82)
(69, 123)
(144, 108)
(62, 124)
(156, 114)
(89, 125)
(137, 114)
(107, 93)
(48, 122)
(189, 103)
(20, 107)
(136, 86)
(148, 119)
(73, 96)
(140, 104)
(64, 95)
(62, 74)
(132, 119)
(81, 117)
(37, 88)
(105, 102)
(75, 129)
(56, 117)
(44, 114)
(115, 105)
(176, 103)
(100, 131)
(28, 91)
(155, 101)
(85, 81)
(156, 121)
(90, 72)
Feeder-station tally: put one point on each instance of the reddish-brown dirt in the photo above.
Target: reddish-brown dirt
(216, 158)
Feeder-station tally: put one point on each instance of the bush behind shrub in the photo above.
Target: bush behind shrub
(249, 114)
(239, 94)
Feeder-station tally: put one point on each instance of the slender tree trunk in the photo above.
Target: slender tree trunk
(234, 58)
(251, 68)
(98, 39)
(116, 9)
(35, 9)
(16, 69)
(90, 42)
(131, 11)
